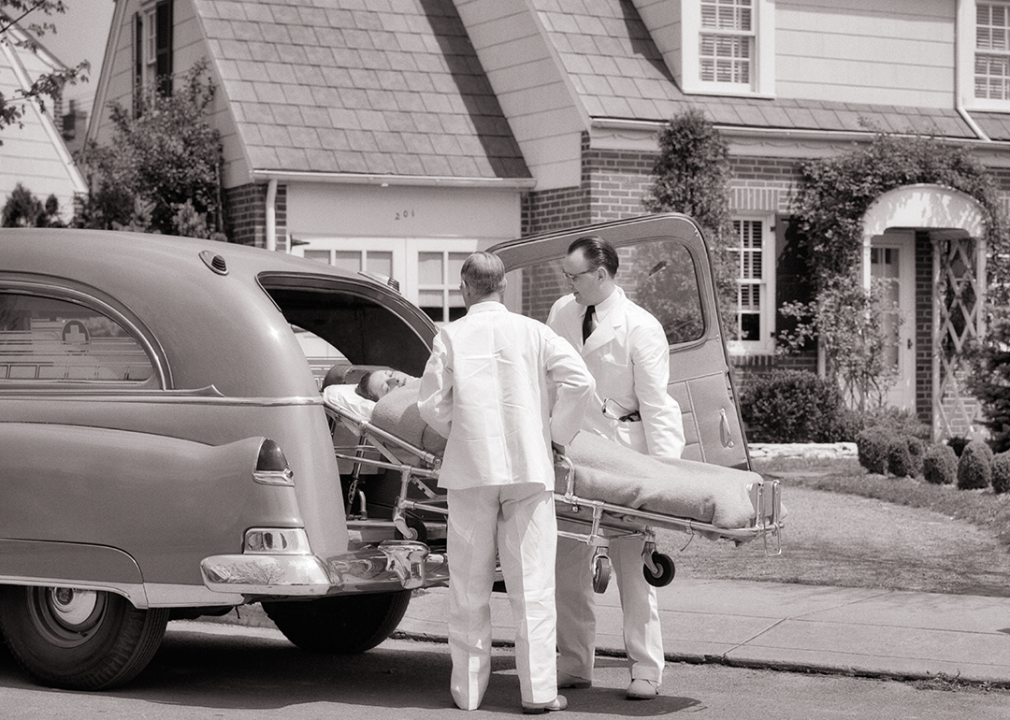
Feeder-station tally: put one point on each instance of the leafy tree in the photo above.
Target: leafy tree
(26, 14)
(23, 209)
(162, 159)
(989, 379)
(692, 176)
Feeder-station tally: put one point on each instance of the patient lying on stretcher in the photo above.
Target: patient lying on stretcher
(604, 470)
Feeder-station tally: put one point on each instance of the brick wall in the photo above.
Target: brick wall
(246, 215)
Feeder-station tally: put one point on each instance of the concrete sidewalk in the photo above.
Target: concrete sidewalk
(881, 633)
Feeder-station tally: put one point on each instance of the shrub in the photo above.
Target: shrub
(958, 444)
(939, 465)
(872, 445)
(899, 422)
(974, 469)
(1001, 472)
(916, 451)
(795, 406)
(899, 459)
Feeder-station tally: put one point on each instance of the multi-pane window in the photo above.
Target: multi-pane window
(992, 50)
(375, 262)
(726, 47)
(438, 292)
(751, 283)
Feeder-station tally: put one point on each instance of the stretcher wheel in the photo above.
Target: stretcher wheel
(418, 526)
(601, 573)
(664, 564)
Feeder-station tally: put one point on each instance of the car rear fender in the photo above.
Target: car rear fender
(165, 502)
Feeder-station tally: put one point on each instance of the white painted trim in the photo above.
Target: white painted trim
(386, 180)
(924, 206)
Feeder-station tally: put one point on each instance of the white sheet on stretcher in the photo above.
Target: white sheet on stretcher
(607, 471)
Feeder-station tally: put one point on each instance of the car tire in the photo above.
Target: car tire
(78, 639)
(345, 624)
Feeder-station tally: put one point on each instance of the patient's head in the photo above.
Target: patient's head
(378, 383)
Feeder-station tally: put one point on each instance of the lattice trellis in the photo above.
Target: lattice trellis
(958, 265)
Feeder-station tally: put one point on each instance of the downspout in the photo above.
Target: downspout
(958, 84)
(271, 214)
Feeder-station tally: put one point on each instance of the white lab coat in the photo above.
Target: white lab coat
(629, 357)
(501, 387)
(487, 388)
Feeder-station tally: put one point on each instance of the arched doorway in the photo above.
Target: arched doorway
(929, 240)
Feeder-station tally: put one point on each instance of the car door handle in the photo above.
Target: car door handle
(724, 432)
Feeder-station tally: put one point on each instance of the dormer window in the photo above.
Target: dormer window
(727, 47)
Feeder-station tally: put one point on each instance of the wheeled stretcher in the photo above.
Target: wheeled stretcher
(601, 492)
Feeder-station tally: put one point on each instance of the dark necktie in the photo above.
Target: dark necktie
(587, 322)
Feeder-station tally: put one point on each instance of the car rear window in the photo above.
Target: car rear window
(46, 339)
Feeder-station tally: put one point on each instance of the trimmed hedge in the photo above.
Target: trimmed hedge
(872, 445)
(974, 469)
(939, 465)
(796, 406)
(1001, 472)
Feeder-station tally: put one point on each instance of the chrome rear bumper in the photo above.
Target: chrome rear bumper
(389, 566)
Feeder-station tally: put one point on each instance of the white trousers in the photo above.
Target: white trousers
(518, 522)
(643, 637)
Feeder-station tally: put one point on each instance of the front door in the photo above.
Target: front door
(892, 260)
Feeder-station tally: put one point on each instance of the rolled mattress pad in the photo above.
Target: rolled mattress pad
(607, 471)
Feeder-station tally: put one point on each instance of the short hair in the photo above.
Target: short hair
(362, 388)
(483, 273)
(598, 252)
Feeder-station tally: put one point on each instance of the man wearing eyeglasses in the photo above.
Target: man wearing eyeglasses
(627, 353)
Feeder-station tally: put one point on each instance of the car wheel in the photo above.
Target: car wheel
(345, 624)
(78, 639)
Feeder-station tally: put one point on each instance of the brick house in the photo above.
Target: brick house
(399, 135)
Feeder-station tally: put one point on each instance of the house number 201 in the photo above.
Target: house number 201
(404, 214)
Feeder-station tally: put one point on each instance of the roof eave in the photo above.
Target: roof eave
(393, 180)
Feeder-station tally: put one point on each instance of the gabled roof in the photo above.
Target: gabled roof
(33, 152)
(620, 73)
(347, 86)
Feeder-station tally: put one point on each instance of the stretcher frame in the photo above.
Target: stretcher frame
(598, 521)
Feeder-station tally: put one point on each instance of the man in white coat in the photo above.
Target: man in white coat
(503, 389)
(627, 353)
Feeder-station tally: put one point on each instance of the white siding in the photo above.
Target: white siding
(864, 51)
(34, 154)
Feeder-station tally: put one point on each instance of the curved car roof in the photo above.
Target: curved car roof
(215, 326)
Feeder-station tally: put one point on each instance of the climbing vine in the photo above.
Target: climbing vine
(834, 194)
(832, 198)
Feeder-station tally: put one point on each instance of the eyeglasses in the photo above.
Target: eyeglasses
(570, 277)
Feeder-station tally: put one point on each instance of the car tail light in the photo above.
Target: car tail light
(274, 541)
(271, 465)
